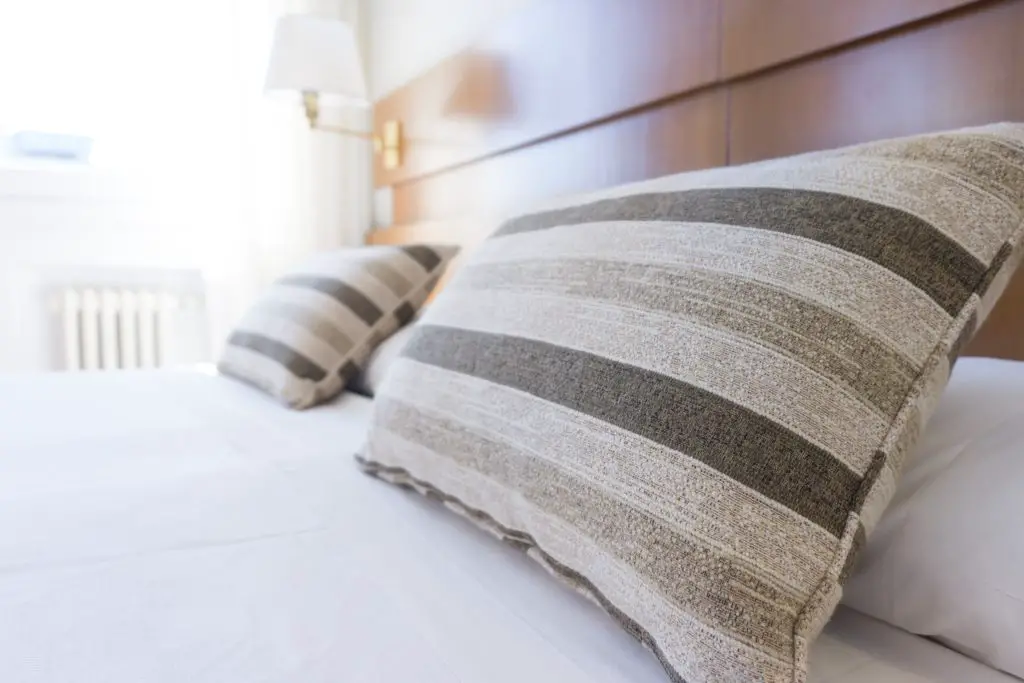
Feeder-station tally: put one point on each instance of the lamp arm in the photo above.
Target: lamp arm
(365, 135)
(311, 103)
(388, 143)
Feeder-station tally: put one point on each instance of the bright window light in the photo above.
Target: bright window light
(153, 84)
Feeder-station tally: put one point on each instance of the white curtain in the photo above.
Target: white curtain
(172, 92)
(298, 191)
(313, 187)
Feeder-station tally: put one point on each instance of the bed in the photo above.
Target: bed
(180, 526)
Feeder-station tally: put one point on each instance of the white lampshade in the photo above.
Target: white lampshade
(316, 54)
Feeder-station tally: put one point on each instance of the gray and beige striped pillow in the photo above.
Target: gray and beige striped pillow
(690, 398)
(310, 332)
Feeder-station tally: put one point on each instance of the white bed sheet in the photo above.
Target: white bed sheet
(182, 527)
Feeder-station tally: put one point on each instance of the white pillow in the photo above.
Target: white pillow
(947, 558)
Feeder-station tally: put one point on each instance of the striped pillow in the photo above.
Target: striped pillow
(308, 335)
(690, 398)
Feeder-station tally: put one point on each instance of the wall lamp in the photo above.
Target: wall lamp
(318, 58)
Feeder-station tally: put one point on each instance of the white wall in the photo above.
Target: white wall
(407, 37)
(57, 221)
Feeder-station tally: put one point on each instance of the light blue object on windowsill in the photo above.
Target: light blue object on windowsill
(51, 146)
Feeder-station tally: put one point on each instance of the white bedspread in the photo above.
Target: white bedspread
(181, 527)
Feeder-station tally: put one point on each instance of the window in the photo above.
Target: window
(152, 83)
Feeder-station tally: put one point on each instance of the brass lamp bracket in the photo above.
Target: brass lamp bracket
(388, 144)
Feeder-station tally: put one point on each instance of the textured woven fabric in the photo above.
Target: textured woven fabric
(309, 334)
(690, 398)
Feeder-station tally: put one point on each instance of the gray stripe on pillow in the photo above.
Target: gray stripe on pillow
(813, 334)
(829, 277)
(742, 371)
(425, 256)
(341, 292)
(908, 246)
(688, 495)
(295, 362)
(757, 452)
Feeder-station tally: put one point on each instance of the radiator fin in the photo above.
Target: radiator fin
(122, 328)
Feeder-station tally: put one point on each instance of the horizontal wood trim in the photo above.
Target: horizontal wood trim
(555, 66)
(757, 34)
(465, 232)
(679, 136)
(964, 69)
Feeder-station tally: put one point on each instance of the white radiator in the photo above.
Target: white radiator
(125, 322)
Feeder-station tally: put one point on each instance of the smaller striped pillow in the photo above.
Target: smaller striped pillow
(308, 335)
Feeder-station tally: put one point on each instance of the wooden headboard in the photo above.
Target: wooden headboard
(573, 95)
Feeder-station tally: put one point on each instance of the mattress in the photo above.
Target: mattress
(178, 526)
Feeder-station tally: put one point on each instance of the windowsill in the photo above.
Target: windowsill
(16, 164)
(42, 179)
